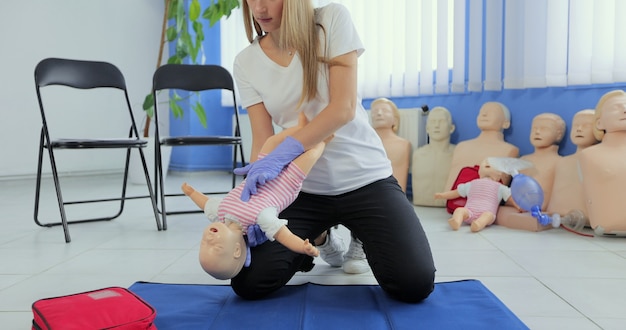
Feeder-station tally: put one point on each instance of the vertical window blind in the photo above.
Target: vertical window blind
(426, 47)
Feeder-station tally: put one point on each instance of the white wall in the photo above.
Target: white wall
(123, 32)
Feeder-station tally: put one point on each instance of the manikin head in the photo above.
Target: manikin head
(385, 114)
(547, 130)
(487, 171)
(582, 129)
(439, 125)
(222, 250)
(493, 116)
(610, 114)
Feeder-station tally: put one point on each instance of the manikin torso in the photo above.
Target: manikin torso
(431, 163)
(567, 190)
(546, 132)
(544, 161)
(604, 178)
(489, 143)
(603, 167)
(398, 149)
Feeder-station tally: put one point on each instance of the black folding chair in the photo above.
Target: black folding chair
(84, 75)
(192, 78)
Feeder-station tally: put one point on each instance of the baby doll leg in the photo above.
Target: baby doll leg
(460, 214)
(197, 197)
(484, 220)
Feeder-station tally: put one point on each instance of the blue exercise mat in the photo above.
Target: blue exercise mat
(455, 305)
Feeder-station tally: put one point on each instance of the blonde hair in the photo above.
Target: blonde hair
(298, 30)
(598, 133)
(394, 108)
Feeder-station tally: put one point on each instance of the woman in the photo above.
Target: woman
(305, 60)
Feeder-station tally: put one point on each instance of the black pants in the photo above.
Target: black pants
(379, 214)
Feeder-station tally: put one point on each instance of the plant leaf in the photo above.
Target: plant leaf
(194, 10)
(185, 46)
(198, 29)
(199, 110)
(177, 110)
(148, 105)
(175, 59)
(179, 16)
(171, 34)
(172, 8)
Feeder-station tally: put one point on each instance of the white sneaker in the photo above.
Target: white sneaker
(355, 261)
(332, 250)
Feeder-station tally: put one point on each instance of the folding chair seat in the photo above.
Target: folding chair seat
(193, 78)
(80, 78)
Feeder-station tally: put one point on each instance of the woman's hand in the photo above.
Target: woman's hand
(268, 167)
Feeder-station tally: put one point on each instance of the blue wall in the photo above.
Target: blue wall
(524, 106)
(219, 121)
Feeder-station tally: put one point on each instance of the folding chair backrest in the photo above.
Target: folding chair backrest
(192, 77)
(78, 74)
(85, 75)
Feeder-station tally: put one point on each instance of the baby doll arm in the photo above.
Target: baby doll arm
(276, 229)
(197, 197)
(460, 191)
(295, 243)
(209, 205)
(508, 198)
(450, 194)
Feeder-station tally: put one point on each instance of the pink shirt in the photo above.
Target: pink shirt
(278, 193)
(483, 195)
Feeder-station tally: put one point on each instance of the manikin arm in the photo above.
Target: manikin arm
(450, 194)
(511, 202)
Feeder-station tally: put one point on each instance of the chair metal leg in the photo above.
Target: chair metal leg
(243, 161)
(61, 203)
(57, 188)
(149, 184)
(234, 176)
(160, 187)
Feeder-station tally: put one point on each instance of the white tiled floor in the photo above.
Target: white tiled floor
(551, 279)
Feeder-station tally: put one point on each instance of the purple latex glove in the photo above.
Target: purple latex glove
(256, 236)
(268, 167)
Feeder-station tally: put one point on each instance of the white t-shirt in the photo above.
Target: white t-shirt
(355, 156)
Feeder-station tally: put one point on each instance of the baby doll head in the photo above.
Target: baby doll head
(487, 171)
(222, 250)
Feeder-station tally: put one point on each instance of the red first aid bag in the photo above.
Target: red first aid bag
(466, 174)
(108, 308)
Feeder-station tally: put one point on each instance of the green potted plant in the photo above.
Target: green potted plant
(182, 24)
(188, 45)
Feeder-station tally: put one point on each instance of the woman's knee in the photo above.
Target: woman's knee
(411, 289)
(248, 290)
